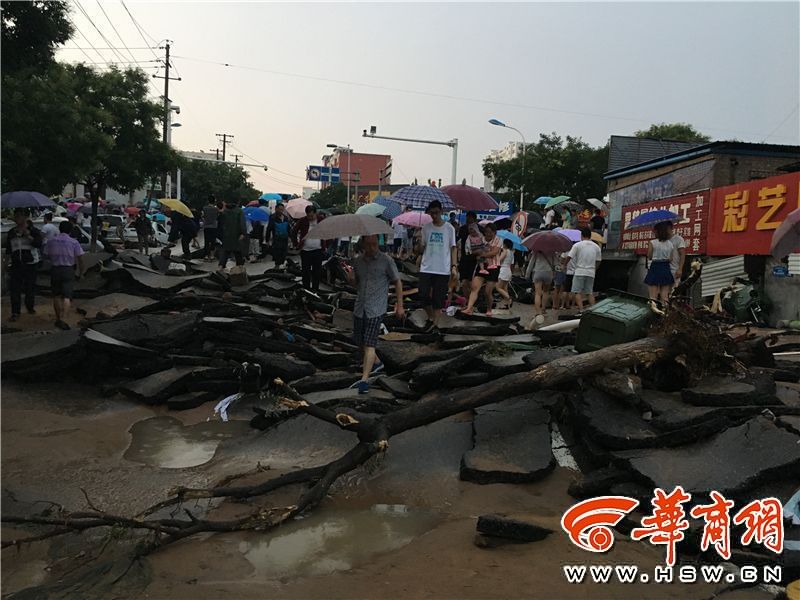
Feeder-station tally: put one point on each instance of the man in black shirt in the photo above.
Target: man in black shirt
(23, 244)
(598, 221)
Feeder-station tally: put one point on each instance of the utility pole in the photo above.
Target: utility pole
(236, 158)
(226, 138)
(451, 143)
(217, 152)
(167, 108)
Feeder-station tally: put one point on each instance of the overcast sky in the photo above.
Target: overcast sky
(440, 71)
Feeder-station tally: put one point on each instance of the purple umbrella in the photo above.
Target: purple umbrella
(419, 196)
(574, 235)
(25, 200)
(467, 197)
(547, 242)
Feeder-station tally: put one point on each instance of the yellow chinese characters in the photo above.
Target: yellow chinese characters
(735, 211)
(773, 199)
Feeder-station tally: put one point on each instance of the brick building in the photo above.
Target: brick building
(366, 169)
(702, 167)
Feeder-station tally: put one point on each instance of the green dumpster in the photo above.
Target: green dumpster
(622, 317)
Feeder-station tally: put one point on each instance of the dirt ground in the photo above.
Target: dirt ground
(62, 440)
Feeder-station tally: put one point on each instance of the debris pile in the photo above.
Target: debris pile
(701, 408)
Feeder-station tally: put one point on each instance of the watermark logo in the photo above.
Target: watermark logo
(588, 524)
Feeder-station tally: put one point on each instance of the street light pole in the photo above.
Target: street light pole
(452, 143)
(524, 149)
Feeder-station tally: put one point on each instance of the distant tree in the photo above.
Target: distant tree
(30, 32)
(553, 166)
(681, 132)
(334, 195)
(200, 178)
(119, 137)
(38, 125)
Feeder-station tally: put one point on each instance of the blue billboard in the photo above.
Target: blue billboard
(319, 173)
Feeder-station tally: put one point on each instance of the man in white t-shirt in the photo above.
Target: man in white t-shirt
(49, 230)
(549, 219)
(437, 262)
(586, 256)
(678, 258)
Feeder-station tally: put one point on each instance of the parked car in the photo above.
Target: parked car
(84, 237)
(161, 235)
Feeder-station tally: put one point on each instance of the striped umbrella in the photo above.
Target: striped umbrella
(420, 196)
(393, 209)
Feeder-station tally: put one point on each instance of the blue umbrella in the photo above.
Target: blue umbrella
(25, 200)
(159, 217)
(507, 235)
(419, 196)
(652, 218)
(542, 200)
(271, 196)
(254, 213)
(393, 209)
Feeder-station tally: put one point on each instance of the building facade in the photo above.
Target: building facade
(508, 152)
(361, 168)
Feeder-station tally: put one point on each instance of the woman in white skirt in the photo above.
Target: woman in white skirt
(504, 277)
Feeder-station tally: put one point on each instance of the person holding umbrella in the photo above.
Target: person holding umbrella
(372, 272)
(311, 249)
(234, 230)
(23, 243)
(661, 252)
(278, 232)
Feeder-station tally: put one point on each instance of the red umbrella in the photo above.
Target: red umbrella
(132, 210)
(786, 238)
(467, 197)
(254, 203)
(547, 242)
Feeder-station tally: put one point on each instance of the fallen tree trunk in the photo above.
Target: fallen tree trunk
(373, 433)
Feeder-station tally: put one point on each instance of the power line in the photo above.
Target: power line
(107, 47)
(102, 35)
(105, 14)
(85, 38)
(139, 28)
(439, 95)
(779, 125)
(265, 164)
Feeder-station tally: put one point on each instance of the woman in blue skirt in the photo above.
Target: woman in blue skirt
(659, 277)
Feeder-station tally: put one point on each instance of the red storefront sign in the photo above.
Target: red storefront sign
(693, 209)
(744, 216)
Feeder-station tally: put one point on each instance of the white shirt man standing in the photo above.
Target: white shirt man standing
(679, 256)
(586, 256)
(439, 260)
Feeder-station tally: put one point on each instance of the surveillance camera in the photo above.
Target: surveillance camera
(176, 108)
(373, 130)
(266, 168)
(365, 132)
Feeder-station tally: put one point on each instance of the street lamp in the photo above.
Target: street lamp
(339, 148)
(524, 146)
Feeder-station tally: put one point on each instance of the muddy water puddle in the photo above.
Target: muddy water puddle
(335, 540)
(166, 442)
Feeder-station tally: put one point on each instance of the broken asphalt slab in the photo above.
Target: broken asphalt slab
(54, 350)
(152, 330)
(726, 391)
(735, 460)
(112, 305)
(511, 529)
(159, 387)
(512, 443)
(617, 426)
